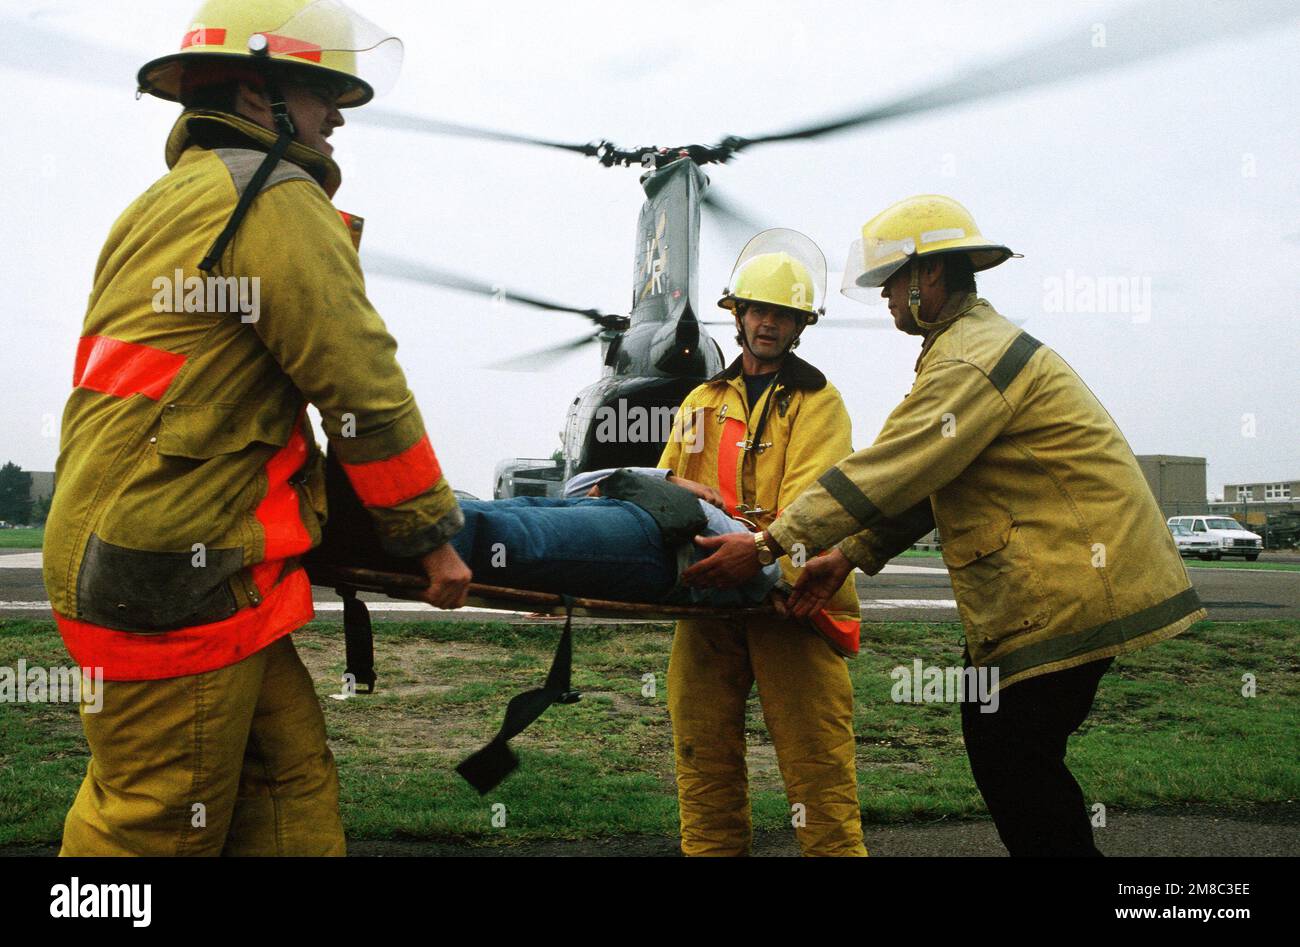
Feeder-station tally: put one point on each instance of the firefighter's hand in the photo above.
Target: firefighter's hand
(449, 578)
(735, 560)
(821, 578)
(706, 493)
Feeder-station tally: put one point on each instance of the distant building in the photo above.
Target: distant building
(1251, 503)
(1285, 492)
(42, 484)
(1178, 483)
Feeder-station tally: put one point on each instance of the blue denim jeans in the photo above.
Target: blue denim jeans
(595, 548)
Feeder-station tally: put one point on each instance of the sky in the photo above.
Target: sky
(1175, 178)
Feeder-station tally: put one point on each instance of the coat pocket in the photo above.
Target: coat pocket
(998, 590)
(143, 591)
(204, 431)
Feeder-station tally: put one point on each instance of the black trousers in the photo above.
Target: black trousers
(1017, 756)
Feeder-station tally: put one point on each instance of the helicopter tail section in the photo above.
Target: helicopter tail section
(665, 282)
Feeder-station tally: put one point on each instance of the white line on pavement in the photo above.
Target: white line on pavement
(22, 560)
(873, 603)
(895, 569)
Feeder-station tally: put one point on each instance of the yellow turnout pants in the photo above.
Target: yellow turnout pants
(807, 702)
(229, 762)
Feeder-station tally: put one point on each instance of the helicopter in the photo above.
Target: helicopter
(654, 356)
(651, 358)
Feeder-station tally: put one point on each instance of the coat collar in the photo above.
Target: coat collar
(195, 126)
(795, 373)
(953, 309)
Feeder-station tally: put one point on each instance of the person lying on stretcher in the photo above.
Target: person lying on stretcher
(624, 535)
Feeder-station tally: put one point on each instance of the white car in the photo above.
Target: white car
(1192, 544)
(1224, 535)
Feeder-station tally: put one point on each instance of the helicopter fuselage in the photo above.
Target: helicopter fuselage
(624, 419)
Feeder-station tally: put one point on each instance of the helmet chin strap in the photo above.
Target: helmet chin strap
(914, 303)
(283, 125)
(280, 110)
(914, 292)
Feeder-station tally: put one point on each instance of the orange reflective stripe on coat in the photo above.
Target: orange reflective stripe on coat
(279, 512)
(844, 634)
(733, 434)
(354, 224)
(397, 479)
(266, 574)
(127, 656)
(118, 368)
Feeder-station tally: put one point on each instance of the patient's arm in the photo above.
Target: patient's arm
(584, 484)
(702, 491)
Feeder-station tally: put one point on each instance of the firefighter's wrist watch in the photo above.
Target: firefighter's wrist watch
(766, 556)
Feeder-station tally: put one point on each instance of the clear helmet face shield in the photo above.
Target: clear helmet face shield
(870, 264)
(781, 267)
(872, 261)
(330, 34)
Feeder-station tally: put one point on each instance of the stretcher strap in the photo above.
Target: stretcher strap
(359, 640)
(485, 769)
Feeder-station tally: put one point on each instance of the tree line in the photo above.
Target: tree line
(16, 504)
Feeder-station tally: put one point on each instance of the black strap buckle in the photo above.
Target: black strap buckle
(485, 768)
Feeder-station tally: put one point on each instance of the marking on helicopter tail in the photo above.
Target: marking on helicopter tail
(654, 269)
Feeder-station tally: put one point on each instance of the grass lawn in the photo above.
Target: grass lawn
(1170, 726)
(23, 538)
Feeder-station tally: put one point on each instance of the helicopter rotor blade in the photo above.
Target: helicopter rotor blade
(830, 323)
(727, 213)
(542, 358)
(31, 47)
(884, 322)
(384, 264)
(1142, 32)
(401, 121)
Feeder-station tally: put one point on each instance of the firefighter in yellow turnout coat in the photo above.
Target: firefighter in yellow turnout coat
(759, 433)
(1058, 554)
(189, 480)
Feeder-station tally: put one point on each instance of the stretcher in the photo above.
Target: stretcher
(485, 768)
(409, 587)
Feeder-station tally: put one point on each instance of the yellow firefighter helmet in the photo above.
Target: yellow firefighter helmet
(782, 268)
(322, 38)
(916, 227)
